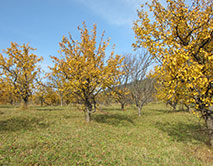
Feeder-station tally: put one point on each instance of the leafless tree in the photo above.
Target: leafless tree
(141, 87)
(121, 90)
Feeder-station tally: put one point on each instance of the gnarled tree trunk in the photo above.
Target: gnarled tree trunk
(42, 102)
(209, 124)
(187, 107)
(88, 110)
(88, 116)
(173, 104)
(25, 102)
(139, 110)
(61, 101)
(122, 106)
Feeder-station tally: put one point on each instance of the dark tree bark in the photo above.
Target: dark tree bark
(209, 124)
(88, 109)
(25, 99)
(42, 102)
(122, 106)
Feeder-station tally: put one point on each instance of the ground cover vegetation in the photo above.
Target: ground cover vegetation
(136, 116)
(55, 135)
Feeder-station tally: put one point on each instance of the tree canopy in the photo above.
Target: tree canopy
(179, 37)
(85, 68)
(20, 68)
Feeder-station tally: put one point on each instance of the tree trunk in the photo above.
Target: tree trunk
(209, 124)
(88, 110)
(42, 102)
(61, 101)
(88, 116)
(174, 107)
(172, 104)
(139, 111)
(11, 101)
(25, 102)
(187, 107)
(122, 106)
(67, 102)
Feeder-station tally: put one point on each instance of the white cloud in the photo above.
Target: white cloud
(115, 12)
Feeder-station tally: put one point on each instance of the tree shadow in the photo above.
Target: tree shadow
(110, 109)
(182, 132)
(7, 106)
(49, 109)
(165, 111)
(117, 120)
(19, 123)
(72, 117)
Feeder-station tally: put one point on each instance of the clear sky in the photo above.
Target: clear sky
(42, 23)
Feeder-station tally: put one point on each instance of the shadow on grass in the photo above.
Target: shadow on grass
(182, 132)
(164, 111)
(110, 109)
(72, 116)
(153, 112)
(49, 109)
(117, 120)
(8, 106)
(15, 124)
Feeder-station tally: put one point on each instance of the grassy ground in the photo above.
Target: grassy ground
(60, 136)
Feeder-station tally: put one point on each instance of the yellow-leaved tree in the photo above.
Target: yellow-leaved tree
(20, 69)
(84, 67)
(7, 94)
(58, 82)
(179, 36)
(121, 95)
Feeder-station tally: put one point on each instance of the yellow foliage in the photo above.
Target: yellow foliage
(83, 65)
(20, 69)
(180, 39)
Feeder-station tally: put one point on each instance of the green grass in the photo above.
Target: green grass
(60, 136)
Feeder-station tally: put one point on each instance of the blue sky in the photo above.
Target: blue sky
(42, 23)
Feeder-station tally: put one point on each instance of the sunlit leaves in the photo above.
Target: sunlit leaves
(20, 69)
(83, 65)
(179, 37)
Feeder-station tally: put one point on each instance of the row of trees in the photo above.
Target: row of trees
(80, 75)
(178, 36)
